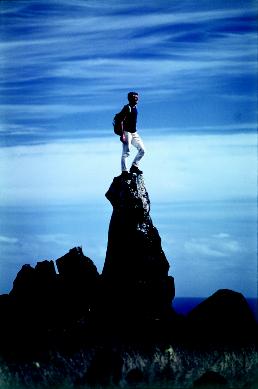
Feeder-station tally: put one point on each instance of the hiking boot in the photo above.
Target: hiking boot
(135, 169)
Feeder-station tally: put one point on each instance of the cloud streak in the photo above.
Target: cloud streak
(8, 240)
(105, 49)
(217, 246)
(59, 60)
(34, 174)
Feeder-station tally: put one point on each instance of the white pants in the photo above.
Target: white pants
(135, 140)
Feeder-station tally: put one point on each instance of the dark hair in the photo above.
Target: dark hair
(130, 94)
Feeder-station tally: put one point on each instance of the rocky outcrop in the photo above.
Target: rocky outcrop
(35, 292)
(43, 304)
(135, 279)
(130, 300)
(46, 299)
(210, 379)
(118, 328)
(79, 283)
(224, 317)
(134, 286)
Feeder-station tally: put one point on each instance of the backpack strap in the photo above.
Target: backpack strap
(126, 109)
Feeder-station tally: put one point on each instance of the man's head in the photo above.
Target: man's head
(133, 98)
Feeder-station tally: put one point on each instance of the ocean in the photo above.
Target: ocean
(183, 305)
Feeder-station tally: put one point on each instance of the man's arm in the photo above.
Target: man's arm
(126, 109)
(124, 112)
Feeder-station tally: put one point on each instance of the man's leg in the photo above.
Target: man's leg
(138, 143)
(126, 150)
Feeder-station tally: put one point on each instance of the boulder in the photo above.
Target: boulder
(79, 279)
(210, 379)
(33, 308)
(223, 317)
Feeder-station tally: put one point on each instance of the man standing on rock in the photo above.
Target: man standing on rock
(130, 135)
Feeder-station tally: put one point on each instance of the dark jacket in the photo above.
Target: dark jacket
(130, 118)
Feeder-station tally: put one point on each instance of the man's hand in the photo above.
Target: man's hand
(123, 138)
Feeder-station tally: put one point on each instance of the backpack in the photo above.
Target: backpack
(119, 120)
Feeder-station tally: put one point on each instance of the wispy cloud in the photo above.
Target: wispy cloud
(66, 68)
(51, 110)
(118, 42)
(7, 240)
(217, 246)
(174, 168)
(223, 129)
(59, 239)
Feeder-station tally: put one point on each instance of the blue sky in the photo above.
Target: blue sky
(66, 69)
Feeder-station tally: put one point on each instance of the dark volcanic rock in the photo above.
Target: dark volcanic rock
(211, 379)
(42, 298)
(105, 368)
(135, 274)
(34, 294)
(32, 308)
(79, 282)
(24, 283)
(34, 283)
(43, 305)
(225, 317)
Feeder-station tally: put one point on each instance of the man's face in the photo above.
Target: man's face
(134, 99)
